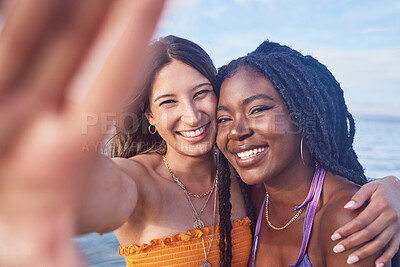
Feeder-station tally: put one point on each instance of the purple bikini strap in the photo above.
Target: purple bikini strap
(312, 201)
(255, 239)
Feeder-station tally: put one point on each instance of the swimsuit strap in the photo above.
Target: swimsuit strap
(252, 259)
(312, 199)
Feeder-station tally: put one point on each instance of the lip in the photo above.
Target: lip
(252, 159)
(196, 138)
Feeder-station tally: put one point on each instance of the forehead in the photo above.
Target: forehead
(245, 83)
(175, 77)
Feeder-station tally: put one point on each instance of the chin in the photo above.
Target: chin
(197, 151)
(250, 177)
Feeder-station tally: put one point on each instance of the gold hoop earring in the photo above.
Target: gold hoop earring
(301, 151)
(154, 131)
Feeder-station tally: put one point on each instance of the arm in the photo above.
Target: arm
(43, 172)
(334, 217)
(378, 225)
(109, 200)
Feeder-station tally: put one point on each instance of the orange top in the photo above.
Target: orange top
(187, 249)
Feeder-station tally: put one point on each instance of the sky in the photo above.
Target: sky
(359, 41)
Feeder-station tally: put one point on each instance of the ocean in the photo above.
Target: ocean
(377, 144)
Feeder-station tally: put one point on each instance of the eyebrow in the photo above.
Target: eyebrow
(194, 88)
(248, 100)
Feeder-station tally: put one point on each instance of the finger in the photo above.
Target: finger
(379, 235)
(118, 74)
(390, 251)
(365, 218)
(14, 116)
(21, 34)
(50, 57)
(59, 60)
(361, 197)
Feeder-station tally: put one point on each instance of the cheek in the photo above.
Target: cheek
(210, 105)
(274, 124)
(165, 120)
(222, 138)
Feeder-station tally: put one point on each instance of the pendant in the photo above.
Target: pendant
(198, 224)
(206, 264)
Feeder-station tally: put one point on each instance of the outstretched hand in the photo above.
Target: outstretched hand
(42, 167)
(378, 225)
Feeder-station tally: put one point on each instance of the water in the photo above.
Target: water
(377, 144)
(100, 251)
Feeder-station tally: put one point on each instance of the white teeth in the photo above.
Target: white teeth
(250, 153)
(193, 133)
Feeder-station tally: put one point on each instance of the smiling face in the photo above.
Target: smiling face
(182, 106)
(255, 132)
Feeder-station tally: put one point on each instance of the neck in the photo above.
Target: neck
(198, 170)
(290, 187)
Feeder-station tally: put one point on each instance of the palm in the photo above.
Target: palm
(42, 166)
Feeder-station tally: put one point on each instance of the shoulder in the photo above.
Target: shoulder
(336, 193)
(138, 165)
(332, 215)
(142, 169)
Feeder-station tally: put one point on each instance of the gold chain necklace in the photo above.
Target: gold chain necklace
(184, 187)
(206, 263)
(287, 224)
(198, 223)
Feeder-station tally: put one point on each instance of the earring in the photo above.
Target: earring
(154, 131)
(301, 151)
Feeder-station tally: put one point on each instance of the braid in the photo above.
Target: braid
(245, 189)
(225, 207)
(315, 101)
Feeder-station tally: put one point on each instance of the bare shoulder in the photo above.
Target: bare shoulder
(137, 167)
(142, 169)
(336, 193)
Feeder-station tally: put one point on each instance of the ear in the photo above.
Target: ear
(150, 117)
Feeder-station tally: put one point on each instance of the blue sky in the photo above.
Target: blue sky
(359, 41)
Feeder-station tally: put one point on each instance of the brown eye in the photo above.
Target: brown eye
(201, 92)
(222, 120)
(260, 109)
(167, 102)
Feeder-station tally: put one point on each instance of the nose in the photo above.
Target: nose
(191, 114)
(240, 129)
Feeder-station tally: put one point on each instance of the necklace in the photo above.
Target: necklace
(287, 224)
(181, 185)
(198, 223)
(206, 263)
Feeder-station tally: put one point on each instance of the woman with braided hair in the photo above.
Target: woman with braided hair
(283, 122)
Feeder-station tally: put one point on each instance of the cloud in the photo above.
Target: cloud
(215, 12)
(178, 13)
(370, 77)
(240, 2)
(230, 46)
(373, 30)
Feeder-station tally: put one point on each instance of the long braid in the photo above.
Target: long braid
(245, 189)
(225, 207)
(316, 103)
